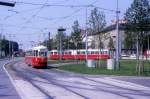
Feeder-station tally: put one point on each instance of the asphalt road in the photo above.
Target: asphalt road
(7, 90)
(55, 84)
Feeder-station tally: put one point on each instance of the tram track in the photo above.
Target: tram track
(64, 82)
(24, 76)
(42, 74)
(100, 89)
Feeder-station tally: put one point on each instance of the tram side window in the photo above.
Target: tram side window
(65, 53)
(69, 53)
(92, 52)
(42, 54)
(28, 53)
(35, 53)
(96, 52)
(55, 53)
(106, 52)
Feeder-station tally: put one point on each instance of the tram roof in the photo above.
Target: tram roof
(39, 47)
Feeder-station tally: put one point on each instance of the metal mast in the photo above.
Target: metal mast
(117, 37)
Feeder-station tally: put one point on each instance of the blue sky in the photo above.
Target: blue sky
(28, 23)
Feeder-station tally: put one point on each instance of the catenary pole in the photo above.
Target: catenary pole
(117, 37)
(86, 38)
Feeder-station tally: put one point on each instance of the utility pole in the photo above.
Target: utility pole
(86, 38)
(117, 38)
(60, 30)
(148, 42)
(13, 36)
(9, 45)
(68, 42)
(49, 42)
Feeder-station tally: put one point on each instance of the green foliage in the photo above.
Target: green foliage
(48, 43)
(138, 21)
(138, 18)
(97, 20)
(96, 24)
(76, 37)
(111, 43)
(5, 46)
(129, 41)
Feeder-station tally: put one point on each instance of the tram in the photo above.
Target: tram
(147, 53)
(37, 57)
(94, 54)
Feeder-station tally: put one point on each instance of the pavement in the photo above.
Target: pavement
(7, 90)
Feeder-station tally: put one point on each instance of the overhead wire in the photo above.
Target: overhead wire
(34, 15)
(19, 12)
(62, 5)
(72, 14)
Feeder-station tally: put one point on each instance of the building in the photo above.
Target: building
(107, 34)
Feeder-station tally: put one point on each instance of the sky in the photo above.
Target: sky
(30, 20)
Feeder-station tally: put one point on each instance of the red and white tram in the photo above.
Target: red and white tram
(37, 57)
(94, 54)
(147, 53)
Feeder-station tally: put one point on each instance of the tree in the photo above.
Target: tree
(97, 23)
(138, 20)
(76, 37)
(111, 43)
(48, 43)
(5, 46)
(129, 41)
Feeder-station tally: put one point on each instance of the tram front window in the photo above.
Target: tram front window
(43, 54)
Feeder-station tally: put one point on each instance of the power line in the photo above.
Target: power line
(74, 12)
(62, 5)
(33, 16)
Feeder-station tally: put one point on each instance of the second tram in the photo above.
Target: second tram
(94, 54)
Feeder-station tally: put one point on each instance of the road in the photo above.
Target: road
(7, 90)
(49, 83)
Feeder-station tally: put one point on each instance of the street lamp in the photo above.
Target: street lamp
(10, 4)
(60, 30)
